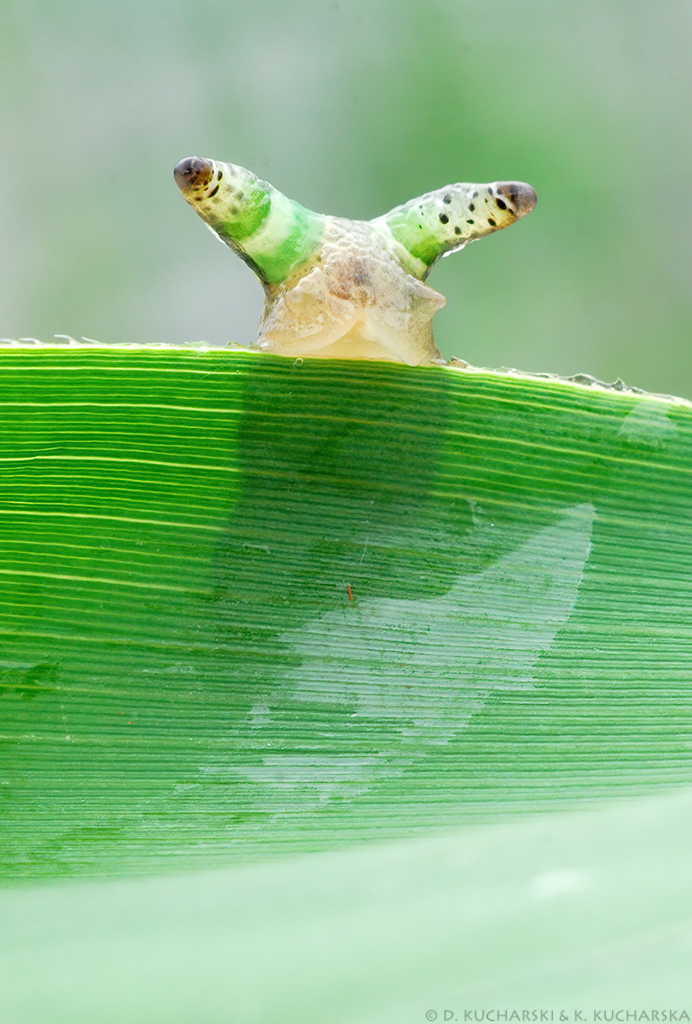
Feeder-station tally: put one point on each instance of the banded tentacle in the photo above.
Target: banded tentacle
(268, 230)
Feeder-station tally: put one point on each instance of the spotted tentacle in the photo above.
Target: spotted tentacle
(440, 222)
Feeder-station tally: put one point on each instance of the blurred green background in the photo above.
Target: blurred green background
(352, 108)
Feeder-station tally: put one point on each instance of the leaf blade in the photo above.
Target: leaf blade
(186, 678)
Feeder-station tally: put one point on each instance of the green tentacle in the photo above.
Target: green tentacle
(449, 218)
(266, 228)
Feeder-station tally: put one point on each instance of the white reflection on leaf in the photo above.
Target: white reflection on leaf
(428, 665)
(417, 670)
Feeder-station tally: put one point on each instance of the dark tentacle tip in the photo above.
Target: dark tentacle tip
(193, 172)
(522, 197)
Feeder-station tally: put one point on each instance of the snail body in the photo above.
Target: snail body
(347, 289)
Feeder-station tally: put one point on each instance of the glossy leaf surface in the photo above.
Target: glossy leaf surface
(187, 680)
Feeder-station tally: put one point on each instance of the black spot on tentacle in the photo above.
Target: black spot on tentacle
(491, 222)
(501, 204)
(214, 190)
(447, 199)
(472, 207)
(444, 219)
(470, 222)
(219, 174)
(474, 195)
(457, 230)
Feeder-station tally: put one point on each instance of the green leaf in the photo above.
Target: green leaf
(254, 606)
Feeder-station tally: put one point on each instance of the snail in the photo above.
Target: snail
(346, 289)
